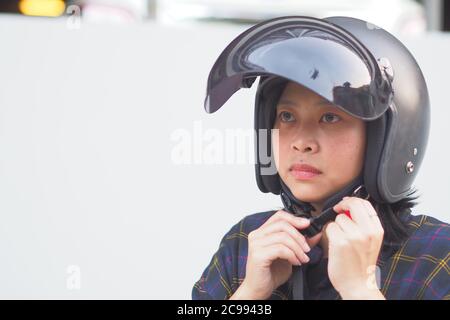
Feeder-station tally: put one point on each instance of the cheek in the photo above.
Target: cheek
(281, 147)
(347, 151)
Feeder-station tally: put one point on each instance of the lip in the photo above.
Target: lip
(304, 171)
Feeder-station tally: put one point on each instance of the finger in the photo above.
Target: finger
(368, 226)
(348, 226)
(359, 212)
(278, 251)
(286, 240)
(284, 226)
(298, 222)
(368, 219)
(374, 216)
(334, 233)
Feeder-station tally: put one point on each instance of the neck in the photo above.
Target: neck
(318, 209)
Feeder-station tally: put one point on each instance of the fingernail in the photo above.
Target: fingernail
(347, 213)
(302, 220)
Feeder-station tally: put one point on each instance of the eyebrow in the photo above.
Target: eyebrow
(292, 103)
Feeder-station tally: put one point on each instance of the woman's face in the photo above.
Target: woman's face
(313, 131)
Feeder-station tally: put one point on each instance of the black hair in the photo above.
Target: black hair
(392, 216)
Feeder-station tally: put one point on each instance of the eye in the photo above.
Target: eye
(329, 117)
(286, 116)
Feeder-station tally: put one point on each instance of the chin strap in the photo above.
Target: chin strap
(303, 209)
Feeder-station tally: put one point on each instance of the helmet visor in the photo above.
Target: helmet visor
(312, 52)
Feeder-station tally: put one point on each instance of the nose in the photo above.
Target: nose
(305, 143)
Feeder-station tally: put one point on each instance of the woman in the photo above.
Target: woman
(346, 135)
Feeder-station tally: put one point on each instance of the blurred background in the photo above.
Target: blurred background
(96, 98)
(398, 16)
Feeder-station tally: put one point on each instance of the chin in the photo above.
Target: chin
(307, 193)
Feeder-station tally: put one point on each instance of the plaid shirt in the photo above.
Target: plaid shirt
(418, 268)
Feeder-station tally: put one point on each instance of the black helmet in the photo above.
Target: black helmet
(360, 68)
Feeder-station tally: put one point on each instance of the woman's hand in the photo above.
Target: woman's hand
(353, 248)
(272, 250)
